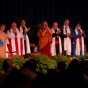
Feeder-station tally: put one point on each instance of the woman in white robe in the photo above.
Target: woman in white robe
(78, 41)
(24, 31)
(16, 41)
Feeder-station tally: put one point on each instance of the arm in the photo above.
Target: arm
(63, 35)
(41, 33)
(19, 34)
(76, 36)
(70, 35)
(10, 34)
(54, 35)
(50, 31)
(83, 34)
(26, 30)
(58, 33)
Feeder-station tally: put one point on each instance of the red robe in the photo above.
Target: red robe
(44, 42)
(16, 43)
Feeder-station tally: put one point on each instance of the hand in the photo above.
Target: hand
(28, 29)
(81, 33)
(15, 31)
(25, 31)
(50, 31)
(43, 30)
(58, 31)
(68, 35)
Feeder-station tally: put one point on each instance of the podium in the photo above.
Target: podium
(2, 45)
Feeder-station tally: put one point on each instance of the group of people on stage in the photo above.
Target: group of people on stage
(52, 41)
(17, 40)
(62, 41)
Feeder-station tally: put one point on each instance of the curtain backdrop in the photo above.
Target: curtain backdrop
(36, 11)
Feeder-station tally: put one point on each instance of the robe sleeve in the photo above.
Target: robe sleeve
(84, 35)
(19, 33)
(54, 35)
(39, 33)
(64, 36)
(76, 36)
(10, 34)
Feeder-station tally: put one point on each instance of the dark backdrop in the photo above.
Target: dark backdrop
(36, 11)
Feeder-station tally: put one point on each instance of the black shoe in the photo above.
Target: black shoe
(69, 56)
(64, 53)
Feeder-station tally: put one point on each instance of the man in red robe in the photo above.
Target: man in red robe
(45, 38)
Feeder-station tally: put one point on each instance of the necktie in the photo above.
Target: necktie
(23, 29)
(78, 31)
(55, 30)
(66, 30)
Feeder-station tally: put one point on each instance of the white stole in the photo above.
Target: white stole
(53, 49)
(7, 51)
(78, 44)
(12, 36)
(27, 41)
(67, 41)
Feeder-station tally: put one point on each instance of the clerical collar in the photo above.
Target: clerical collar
(66, 26)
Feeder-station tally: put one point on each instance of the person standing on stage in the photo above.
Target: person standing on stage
(24, 30)
(16, 41)
(56, 45)
(66, 35)
(3, 43)
(78, 41)
(45, 38)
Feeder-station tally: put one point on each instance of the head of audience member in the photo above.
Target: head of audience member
(66, 22)
(23, 22)
(41, 81)
(30, 66)
(55, 25)
(44, 25)
(13, 25)
(84, 67)
(7, 65)
(62, 66)
(12, 80)
(74, 65)
(2, 27)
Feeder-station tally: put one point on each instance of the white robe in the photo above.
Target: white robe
(53, 49)
(7, 51)
(78, 44)
(27, 41)
(67, 41)
(14, 41)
